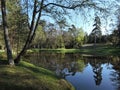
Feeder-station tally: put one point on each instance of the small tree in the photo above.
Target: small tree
(80, 37)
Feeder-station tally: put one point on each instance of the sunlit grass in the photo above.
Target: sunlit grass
(98, 50)
(27, 76)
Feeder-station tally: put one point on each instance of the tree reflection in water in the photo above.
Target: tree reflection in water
(116, 74)
(97, 69)
(68, 69)
(72, 65)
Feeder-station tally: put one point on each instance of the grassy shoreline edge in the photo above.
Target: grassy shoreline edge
(99, 51)
(27, 76)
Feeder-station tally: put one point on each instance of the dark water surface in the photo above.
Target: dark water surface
(83, 72)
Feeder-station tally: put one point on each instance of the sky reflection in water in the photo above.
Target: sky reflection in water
(85, 80)
(84, 73)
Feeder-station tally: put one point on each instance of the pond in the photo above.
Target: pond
(82, 71)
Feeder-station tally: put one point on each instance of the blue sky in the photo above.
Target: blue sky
(108, 23)
(85, 19)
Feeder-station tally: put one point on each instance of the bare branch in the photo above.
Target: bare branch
(62, 6)
(33, 16)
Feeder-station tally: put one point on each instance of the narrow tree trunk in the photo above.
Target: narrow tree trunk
(119, 37)
(32, 31)
(6, 37)
(95, 42)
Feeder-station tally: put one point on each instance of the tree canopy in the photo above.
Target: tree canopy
(22, 19)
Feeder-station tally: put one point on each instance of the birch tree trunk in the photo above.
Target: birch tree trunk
(6, 37)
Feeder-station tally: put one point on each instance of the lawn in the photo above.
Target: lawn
(26, 76)
(100, 50)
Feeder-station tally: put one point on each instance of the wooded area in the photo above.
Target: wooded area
(22, 26)
(59, 44)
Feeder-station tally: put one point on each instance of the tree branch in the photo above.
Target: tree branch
(33, 16)
(62, 6)
(67, 7)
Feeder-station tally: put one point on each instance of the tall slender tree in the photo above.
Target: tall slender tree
(6, 37)
(97, 29)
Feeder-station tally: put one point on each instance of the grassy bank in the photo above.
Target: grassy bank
(91, 50)
(26, 76)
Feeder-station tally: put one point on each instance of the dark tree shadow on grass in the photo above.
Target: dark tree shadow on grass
(3, 62)
(39, 70)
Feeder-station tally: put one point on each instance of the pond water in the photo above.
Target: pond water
(83, 72)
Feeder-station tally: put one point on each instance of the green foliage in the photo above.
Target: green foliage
(115, 37)
(60, 41)
(97, 29)
(40, 37)
(17, 24)
(77, 36)
(49, 36)
(1, 38)
(81, 65)
(96, 32)
(80, 37)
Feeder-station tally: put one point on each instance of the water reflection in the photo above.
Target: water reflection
(97, 69)
(116, 73)
(84, 72)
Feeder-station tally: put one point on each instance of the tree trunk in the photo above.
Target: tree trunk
(32, 28)
(119, 36)
(95, 41)
(6, 37)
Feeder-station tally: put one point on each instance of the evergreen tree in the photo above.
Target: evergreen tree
(17, 25)
(96, 32)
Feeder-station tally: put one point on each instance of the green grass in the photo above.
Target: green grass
(61, 50)
(26, 76)
(99, 50)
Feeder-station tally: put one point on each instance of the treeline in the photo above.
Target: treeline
(50, 36)
(112, 39)
(21, 26)
(17, 25)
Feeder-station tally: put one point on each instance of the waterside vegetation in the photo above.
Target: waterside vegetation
(99, 50)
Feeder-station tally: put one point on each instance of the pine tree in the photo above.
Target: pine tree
(96, 32)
